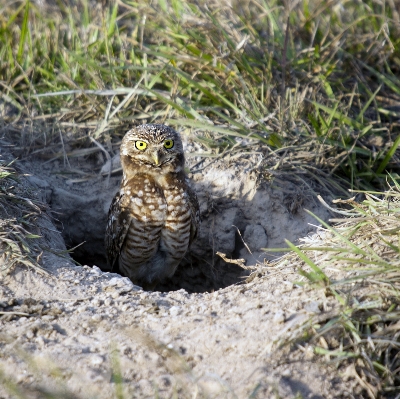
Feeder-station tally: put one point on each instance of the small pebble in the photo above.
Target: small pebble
(97, 317)
(97, 360)
(30, 334)
(279, 317)
(312, 307)
(97, 302)
(175, 310)
(309, 353)
(96, 270)
(286, 373)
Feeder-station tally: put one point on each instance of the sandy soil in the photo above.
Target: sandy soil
(207, 333)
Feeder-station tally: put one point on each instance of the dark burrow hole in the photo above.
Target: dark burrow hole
(80, 214)
(193, 275)
(81, 217)
(234, 209)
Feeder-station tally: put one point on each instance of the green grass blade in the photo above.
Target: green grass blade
(383, 78)
(367, 104)
(388, 156)
(356, 249)
(24, 33)
(327, 87)
(11, 19)
(338, 115)
(319, 275)
(113, 19)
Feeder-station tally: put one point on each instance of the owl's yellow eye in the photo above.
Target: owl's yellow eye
(141, 145)
(168, 144)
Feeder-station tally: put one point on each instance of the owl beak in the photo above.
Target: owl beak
(155, 158)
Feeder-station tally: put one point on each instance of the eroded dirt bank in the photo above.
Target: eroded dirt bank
(74, 329)
(243, 210)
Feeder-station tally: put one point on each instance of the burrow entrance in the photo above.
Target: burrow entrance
(237, 207)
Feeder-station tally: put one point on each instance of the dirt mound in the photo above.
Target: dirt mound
(88, 333)
(241, 211)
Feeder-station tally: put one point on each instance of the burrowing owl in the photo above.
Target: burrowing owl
(155, 215)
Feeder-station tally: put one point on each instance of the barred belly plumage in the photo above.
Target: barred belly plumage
(157, 239)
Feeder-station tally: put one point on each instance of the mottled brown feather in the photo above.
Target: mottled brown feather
(154, 217)
(116, 229)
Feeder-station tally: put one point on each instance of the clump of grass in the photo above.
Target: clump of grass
(315, 83)
(356, 264)
(17, 215)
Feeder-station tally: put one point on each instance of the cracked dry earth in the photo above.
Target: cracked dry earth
(84, 333)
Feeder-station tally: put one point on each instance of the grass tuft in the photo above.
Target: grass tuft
(316, 80)
(358, 261)
(17, 216)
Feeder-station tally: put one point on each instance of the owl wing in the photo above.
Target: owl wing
(195, 214)
(119, 220)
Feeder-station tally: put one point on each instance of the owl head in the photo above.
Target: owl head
(156, 148)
